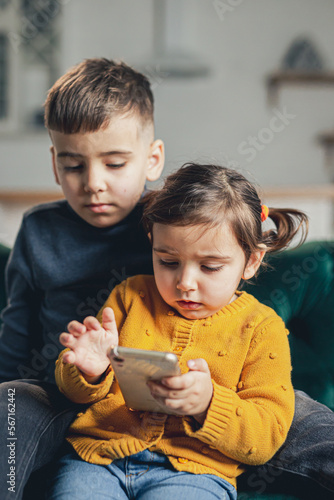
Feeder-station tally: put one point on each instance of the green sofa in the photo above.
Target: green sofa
(298, 284)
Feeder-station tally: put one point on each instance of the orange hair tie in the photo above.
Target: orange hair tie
(264, 212)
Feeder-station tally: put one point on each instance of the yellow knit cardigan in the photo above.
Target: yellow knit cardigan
(246, 347)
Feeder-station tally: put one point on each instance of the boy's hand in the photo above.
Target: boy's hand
(90, 343)
(187, 394)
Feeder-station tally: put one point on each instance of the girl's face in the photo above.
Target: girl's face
(197, 271)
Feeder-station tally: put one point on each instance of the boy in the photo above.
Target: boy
(70, 254)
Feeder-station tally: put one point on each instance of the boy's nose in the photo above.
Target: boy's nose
(93, 181)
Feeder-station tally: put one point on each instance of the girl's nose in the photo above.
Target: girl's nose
(186, 281)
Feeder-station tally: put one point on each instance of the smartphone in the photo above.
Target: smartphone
(134, 367)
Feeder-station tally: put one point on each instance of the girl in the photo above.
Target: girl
(234, 402)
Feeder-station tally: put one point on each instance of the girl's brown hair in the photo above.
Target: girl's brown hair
(86, 96)
(210, 194)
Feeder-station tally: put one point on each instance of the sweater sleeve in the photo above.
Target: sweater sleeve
(70, 380)
(250, 422)
(74, 386)
(21, 329)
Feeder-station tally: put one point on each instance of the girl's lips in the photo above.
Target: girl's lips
(188, 304)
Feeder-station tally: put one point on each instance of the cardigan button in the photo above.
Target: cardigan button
(182, 460)
(240, 385)
(253, 450)
(205, 450)
(273, 355)
(239, 411)
(178, 348)
(222, 353)
(141, 294)
(171, 313)
(80, 414)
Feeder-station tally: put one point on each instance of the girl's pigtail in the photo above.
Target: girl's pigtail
(288, 222)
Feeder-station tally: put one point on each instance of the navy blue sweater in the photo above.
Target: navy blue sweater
(61, 268)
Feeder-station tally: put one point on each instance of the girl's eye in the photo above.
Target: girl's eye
(167, 263)
(212, 269)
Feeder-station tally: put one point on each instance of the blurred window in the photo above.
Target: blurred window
(3, 76)
(29, 60)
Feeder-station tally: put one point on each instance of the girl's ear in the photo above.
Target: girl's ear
(253, 264)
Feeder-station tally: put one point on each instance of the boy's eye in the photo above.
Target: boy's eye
(115, 165)
(212, 269)
(167, 263)
(74, 168)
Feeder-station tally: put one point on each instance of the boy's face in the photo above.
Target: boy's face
(197, 271)
(102, 174)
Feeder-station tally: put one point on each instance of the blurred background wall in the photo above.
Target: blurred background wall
(210, 63)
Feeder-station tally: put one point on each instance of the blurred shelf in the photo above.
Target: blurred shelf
(34, 197)
(280, 78)
(321, 192)
(29, 197)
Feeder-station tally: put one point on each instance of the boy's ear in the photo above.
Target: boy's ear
(156, 160)
(54, 168)
(253, 264)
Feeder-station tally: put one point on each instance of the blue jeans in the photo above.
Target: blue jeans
(144, 476)
(43, 416)
(309, 448)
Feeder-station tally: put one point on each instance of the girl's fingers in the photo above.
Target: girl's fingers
(76, 328)
(69, 357)
(108, 320)
(177, 382)
(158, 390)
(92, 323)
(66, 339)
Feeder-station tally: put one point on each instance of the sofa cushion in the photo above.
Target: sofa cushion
(298, 284)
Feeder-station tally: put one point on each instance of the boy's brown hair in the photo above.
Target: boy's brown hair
(87, 95)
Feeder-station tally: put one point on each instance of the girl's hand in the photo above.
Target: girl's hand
(90, 343)
(187, 394)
